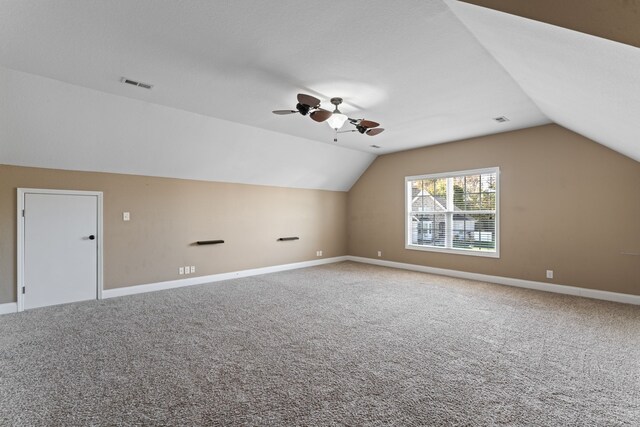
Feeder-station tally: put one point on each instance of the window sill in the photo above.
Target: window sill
(487, 254)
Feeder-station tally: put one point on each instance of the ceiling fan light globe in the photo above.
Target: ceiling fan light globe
(336, 120)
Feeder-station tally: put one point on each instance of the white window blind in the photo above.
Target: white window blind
(454, 212)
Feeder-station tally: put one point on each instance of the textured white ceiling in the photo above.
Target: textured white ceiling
(584, 83)
(48, 123)
(430, 71)
(412, 66)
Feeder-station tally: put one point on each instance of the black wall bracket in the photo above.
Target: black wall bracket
(209, 242)
(283, 239)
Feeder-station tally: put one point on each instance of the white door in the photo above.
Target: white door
(60, 249)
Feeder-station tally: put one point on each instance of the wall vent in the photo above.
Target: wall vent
(501, 119)
(135, 83)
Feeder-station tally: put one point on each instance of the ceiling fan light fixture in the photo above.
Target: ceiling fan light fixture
(337, 119)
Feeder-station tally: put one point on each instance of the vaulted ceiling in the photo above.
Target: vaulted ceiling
(585, 83)
(429, 71)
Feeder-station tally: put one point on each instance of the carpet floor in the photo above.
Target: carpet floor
(340, 344)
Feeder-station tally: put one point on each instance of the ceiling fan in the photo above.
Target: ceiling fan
(310, 105)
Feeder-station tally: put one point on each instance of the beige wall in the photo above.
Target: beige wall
(611, 19)
(567, 204)
(169, 215)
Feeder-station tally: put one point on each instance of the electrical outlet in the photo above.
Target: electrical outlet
(126, 216)
(379, 253)
(186, 269)
(318, 253)
(181, 270)
(193, 268)
(549, 274)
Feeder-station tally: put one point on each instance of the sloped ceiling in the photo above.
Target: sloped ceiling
(429, 71)
(585, 83)
(48, 123)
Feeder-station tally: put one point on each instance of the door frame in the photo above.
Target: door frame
(20, 236)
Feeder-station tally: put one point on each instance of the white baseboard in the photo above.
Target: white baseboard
(10, 307)
(171, 284)
(520, 283)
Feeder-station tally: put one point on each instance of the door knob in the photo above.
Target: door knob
(92, 237)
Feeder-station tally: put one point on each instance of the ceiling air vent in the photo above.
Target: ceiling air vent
(501, 119)
(135, 83)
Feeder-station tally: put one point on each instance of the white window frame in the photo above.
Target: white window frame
(448, 236)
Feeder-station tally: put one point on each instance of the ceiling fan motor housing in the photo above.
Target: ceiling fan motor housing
(303, 109)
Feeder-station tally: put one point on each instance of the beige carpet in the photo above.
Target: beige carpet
(341, 344)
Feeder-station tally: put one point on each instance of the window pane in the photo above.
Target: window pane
(488, 201)
(463, 229)
(472, 184)
(473, 201)
(459, 201)
(439, 187)
(429, 195)
(484, 234)
(488, 182)
(474, 192)
(428, 230)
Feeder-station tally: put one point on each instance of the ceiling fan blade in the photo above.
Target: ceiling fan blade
(282, 112)
(374, 132)
(308, 100)
(368, 124)
(320, 115)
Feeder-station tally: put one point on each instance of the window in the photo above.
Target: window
(454, 212)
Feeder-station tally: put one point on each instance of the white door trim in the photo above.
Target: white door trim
(20, 236)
